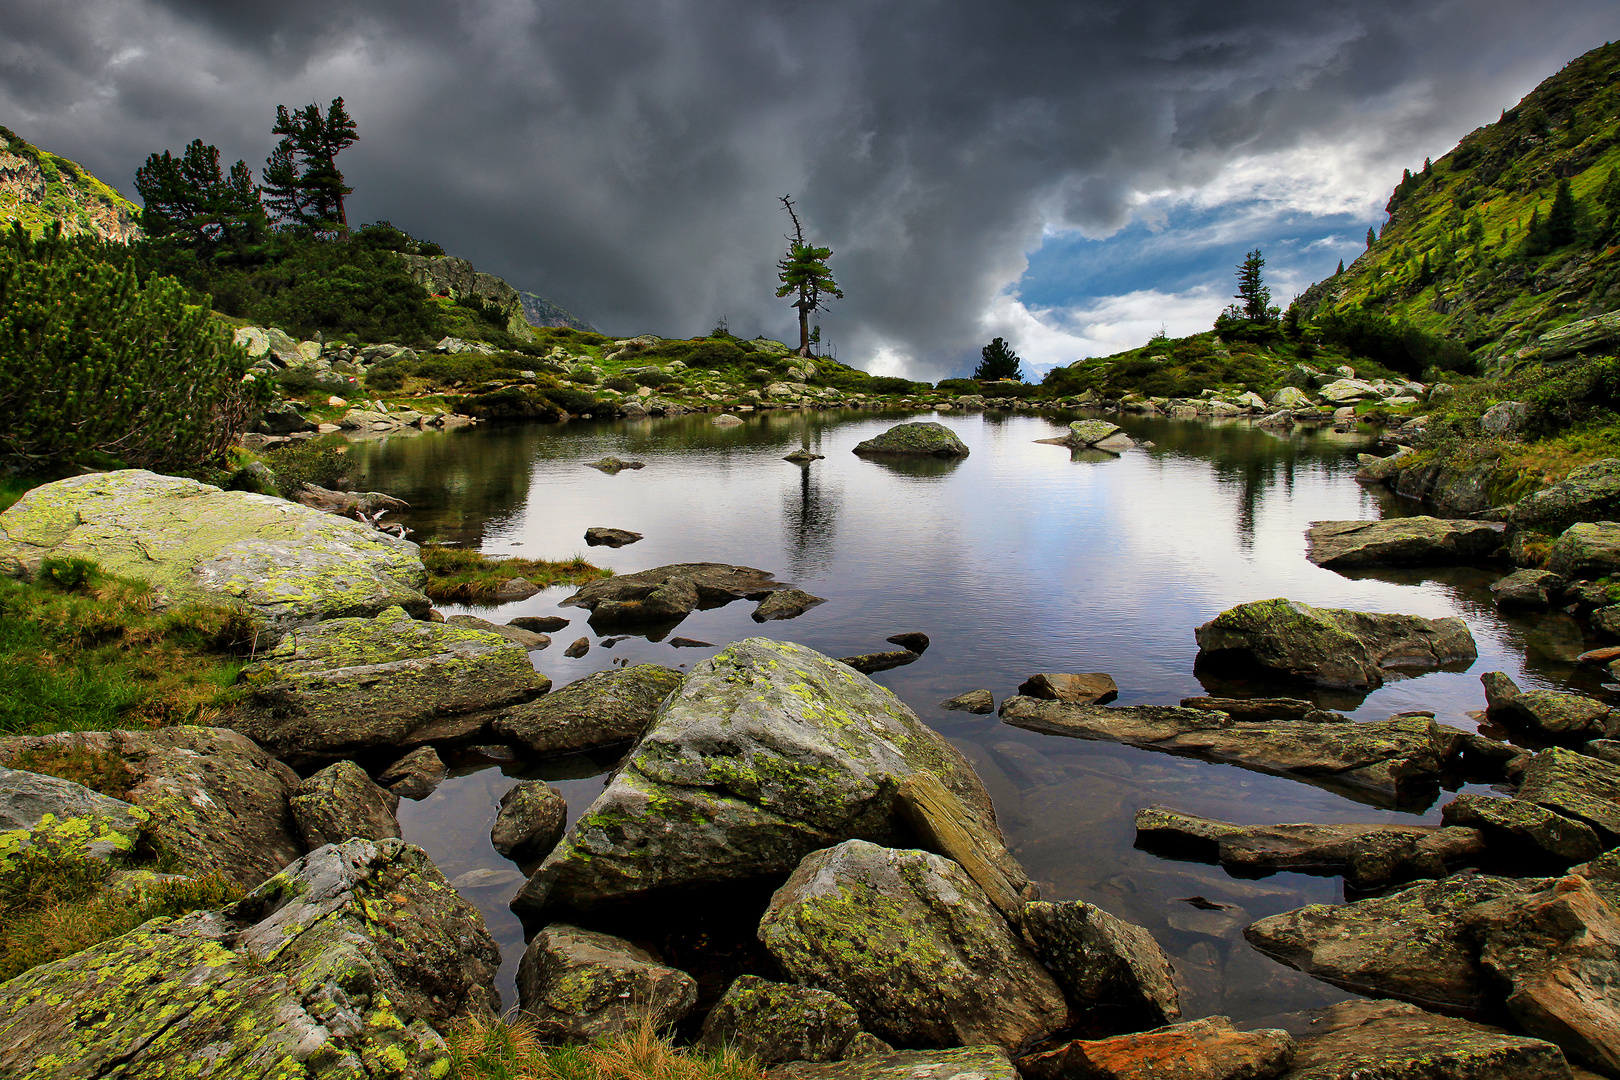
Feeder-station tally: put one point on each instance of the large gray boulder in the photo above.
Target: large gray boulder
(1380, 760)
(1360, 1040)
(341, 802)
(603, 708)
(286, 565)
(910, 941)
(767, 751)
(64, 817)
(578, 985)
(1104, 964)
(343, 965)
(1331, 647)
(923, 439)
(1588, 493)
(1413, 541)
(390, 681)
(1207, 1049)
(215, 800)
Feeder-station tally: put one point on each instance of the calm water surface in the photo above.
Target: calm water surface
(1019, 559)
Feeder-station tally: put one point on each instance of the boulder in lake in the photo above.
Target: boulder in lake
(1330, 647)
(667, 594)
(414, 776)
(389, 681)
(910, 941)
(973, 701)
(602, 709)
(785, 604)
(1526, 590)
(1358, 1040)
(1107, 967)
(578, 985)
(1413, 541)
(1090, 432)
(923, 439)
(766, 752)
(1587, 549)
(802, 456)
(539, 624)
(1083, 688)
(1552, 714)
(602, 536)
(343, 965)
(1516, 829)
(612, 465)
(1206, 1049)
(531, 818)
(341, 802)
(869, 663)
(775, 1022)
(286, 565)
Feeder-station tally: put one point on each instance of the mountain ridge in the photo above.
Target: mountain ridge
(38, 187)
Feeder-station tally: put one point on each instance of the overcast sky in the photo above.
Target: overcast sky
(1069, 176)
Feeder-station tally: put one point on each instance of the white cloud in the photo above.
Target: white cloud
(1052, 337)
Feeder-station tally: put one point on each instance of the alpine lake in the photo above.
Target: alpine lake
(1022, 558)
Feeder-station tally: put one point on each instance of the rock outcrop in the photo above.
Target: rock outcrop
(1588, 493)
(578, 985)
(1412, 541)
(602, 709)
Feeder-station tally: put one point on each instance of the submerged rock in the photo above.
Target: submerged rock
(578, 985)
(342, 965)
(531, 818)
(667, 594)
(775, 1022)
(603, 708)
(352, 684)
(923, 439)
(1331, 647)
(1383, 760)
(414, 776)
(1413, 541)
(1104, 964)
(910, 941)
(1207, 1049)
(1359, 1040)
(767, 751)
(973, 701)
(340, 802)
(286, 565)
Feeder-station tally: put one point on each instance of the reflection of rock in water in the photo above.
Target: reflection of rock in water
(809, 522)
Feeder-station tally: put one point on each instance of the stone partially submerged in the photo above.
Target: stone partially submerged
(668, 594)
(1330, 647)
(286, 565)
(768, 751)
(343, 965)
(1552, 714)
(923, 439)
(1412, 541)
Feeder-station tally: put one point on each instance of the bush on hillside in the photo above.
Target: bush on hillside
(92, 362)
(891, 384)
(1399, 346)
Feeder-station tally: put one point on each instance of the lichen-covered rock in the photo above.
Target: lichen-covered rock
(1526, 590)
(962, 1063)
(341, 802)
(531, 818)
(285, 564)
(1103, 963)
(340, 966)
(1360, 1040)
(577, 985)
(390, 681)
(217, 802)
(1576, 786)
(775, 1022)
(923, 439)
(1515, 827)
(1413, 541)
(416, 775)
(64, 817)
(1587, 549)
(603, 708)
(1588, 493)
(910, 941)
(1090, 432)
(1331, 647)
(528, 639)
(1553, 714)
(767, 751)
(1207, 1049)
(1412, 945)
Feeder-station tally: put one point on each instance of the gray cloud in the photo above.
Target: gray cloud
(625, 159)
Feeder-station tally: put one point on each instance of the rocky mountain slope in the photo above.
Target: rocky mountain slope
(542, 312)
(1514, 233)
(37, 188)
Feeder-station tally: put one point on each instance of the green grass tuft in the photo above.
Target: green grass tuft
(464, 576)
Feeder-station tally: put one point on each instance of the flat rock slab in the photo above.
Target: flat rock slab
(962, 1063)
(1413, 541)
(924, 439)
(1523, 829)
(341, 966)
(530, 640)
(286, 565)
(1207, 1049)
(667, 594)
(388, 681)
(65, 817)
(602, 709)
(1331, 647)
(767, 751)
(1577, 786)
(1271, 708)
(1358, 1040)
(215, 799)
(1380, 760)
(869, 663)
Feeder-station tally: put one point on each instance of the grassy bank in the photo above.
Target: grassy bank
(463, 576)
(483, 1048)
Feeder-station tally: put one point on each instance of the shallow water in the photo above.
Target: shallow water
(1016, 560)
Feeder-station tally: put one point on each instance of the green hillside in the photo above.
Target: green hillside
(1513, 233)
(37, 188)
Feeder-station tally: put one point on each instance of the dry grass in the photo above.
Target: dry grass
(463, 576)
(486, 1048)
(98, 770)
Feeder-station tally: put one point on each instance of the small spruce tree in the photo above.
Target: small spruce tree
(1254, 298)
(998, 361)
(1372, 237)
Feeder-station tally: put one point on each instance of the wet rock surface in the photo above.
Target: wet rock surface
(351, 684)
(909, 940)
(1082, 688)
(1331, 647)
(924, 439)
(980, 702)
(1207, 1049)
(531, 818)
(1358, 1040)
(1104, 964)
(1515, 828)
(869, 663)
(341, 802)
(1411, 541)
(340, 966)
(774, 1022)
(1274, 708)
(414, 776)
(667, 594)
(602, 709)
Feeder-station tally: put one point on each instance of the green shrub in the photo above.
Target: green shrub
(94, 363)
(569, 400)
(957, 386)
(323, 462)
(713, 353)
(654, 379)
(890, 384)
(622, 383)
(385, 377)
(512, 403)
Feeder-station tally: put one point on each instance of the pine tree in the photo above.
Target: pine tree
(1340, 270)
(1561, 219)
(188, 198)
(1372, 237)
(998, 361)
(302, 183)
(803, 272)
(1253, 297)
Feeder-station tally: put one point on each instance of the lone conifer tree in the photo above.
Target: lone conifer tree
(1254, 298)
(302, 184)
(998, 361)
(1372, 237)
(803, 271)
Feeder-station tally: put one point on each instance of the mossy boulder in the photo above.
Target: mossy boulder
(215, 800)
(285, 564)
(1518, 829)
(390, 681)
(603, 708)
(1587, 549)
(1577, 786)
(1330, 647)
(341, 966)
(923, 439)
(1413, 541)
(64, 817)
(773, 1022)
(1553, 715)
(531, 818)
(1103, 963)
(767, 751)
(1588, 493)
(910, 941)
(579, 985)
(340, 802)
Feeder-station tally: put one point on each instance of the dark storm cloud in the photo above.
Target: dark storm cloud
(626, 158)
